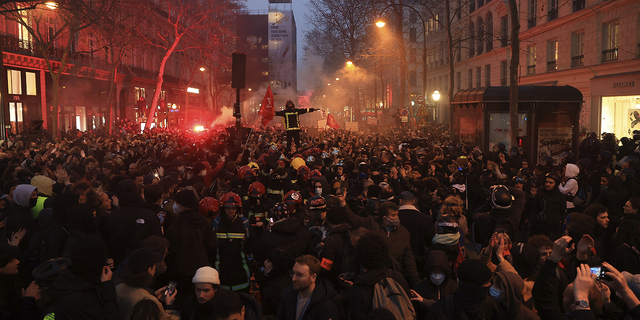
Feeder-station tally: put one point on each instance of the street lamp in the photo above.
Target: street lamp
(380, 23)
(51, 5)
(202, 69)
(349, 62)
(436, 96)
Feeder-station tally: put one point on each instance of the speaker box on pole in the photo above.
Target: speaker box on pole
(238, 70)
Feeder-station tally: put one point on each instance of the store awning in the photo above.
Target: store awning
(478, 97)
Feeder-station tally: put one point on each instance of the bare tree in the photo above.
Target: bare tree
(72, 17)
(181, 25)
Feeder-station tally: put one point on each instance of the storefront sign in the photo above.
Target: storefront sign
(625, 84)
(616, 84)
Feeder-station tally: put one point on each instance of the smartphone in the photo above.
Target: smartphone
(171, 288)
(271, 220)
(598, 271)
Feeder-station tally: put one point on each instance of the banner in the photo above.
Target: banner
(331, 122)
(266, 109)
(282, 53)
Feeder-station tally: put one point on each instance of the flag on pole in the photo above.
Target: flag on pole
(267, 110)
(331, 122)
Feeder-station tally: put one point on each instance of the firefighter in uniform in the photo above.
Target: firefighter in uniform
(257, 206)
(232, 232)
(292, 121)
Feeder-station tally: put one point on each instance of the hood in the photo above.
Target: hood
(371, 277)
(22, 194)
(571, 171)
(615, 183)
(513, 286)
(67, 283)
(437, 261)
(80, 218)
(129, 194)
(44, 185)
(192, 218)
(291, 225)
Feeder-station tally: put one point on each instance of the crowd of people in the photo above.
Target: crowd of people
(170, 224)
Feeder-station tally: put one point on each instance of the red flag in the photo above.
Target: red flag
(267, 110)
(331, 122)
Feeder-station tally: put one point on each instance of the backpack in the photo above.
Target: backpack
(582, 197)
(390, 295)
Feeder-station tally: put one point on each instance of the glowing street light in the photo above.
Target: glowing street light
(202, 69)
(349, 62)
(436, 95)
(51, 5)
(380, 24)
(337, 79)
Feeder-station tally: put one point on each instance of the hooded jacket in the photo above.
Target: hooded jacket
(362, 291)
(77, 298)
(80, 218)
(288, 234)
(511, 306)
(614, 199)
(549, 206)
(570, 186)
(190, 237)
(127, 227)
(322, 304)
(20, 217)
(437, 262)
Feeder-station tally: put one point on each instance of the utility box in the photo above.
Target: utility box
(548, 119)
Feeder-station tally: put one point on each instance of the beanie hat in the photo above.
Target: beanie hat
(187, 199)
(206, 275)
(88, 256)
(142, 259)
(43, 184)
(474, 271)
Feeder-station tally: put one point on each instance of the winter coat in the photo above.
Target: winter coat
(190, 237)
(570, 186)
(421, 230)
(77, 298)
(626, 258)
(193, 310)
(288, 234)
(361, 293)
(323, 304)
(129, 296)
(629, 225)
(548, 210)
(511, 306)
(336, 256)
(398, 241)
(614, 198)
(127, 227)
(509, 219)
(437, 262)
(20, 217)
(271, 287)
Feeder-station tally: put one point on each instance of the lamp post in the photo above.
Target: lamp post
(436, 96)
(381, 24)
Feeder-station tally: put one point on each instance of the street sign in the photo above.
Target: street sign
(422, 112)
(423, 122)
(404, 112)
(405, 118)
(421, 99)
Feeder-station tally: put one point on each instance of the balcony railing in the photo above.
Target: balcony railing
(610, 55)
(577, 61)
(552, 65)
(531, 69)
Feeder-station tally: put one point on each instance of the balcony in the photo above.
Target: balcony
(610, 55)
(552, 65)
(577, 61)
(531, 69)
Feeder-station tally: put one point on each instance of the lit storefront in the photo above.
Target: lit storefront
(619, 101)
(24, 105)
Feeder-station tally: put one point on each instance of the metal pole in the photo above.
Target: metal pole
(424, 60)
(238, 119)
(3, 93)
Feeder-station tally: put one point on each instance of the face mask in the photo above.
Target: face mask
(496, 294)
(393, 222)
(318, 192)
(33, 202)
(437, 278)
(176, 208)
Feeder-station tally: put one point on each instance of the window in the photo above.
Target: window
(472, 42)
(470, 83)
(140, 93)
(412, 55)
(32, 89)
(531, 19)
(458, 49)
(478, 77)
(480, 3)
(446, 83)
(459, 9)
(413, 18)
(553, 10)
(487, 75)
(265, 73)
(577, 49)
(15, 116)
(504, 73)
(578, 5)
(412, 79)
(504, 31)
(480, 36)
(552, 55)
(23, 32)
(412, 35)
(51, 33)
(489, 33)
(472, 6)
(14, 82)
(458, 81)
(531, 60)
(610, 52)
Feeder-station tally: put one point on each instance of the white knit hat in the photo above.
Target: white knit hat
(206, 275)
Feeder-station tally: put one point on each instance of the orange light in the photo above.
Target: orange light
(199, 128)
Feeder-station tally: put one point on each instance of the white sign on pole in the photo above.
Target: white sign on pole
(351, 126)
(405, 118)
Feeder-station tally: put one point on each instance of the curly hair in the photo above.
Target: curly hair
(452, 205)
(372, 251)
(137, 280)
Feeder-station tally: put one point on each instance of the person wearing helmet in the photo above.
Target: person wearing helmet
(209, 208)
(279, 182)
(232, 231)
(291, 117)
(293, 199)
(240, 184)
(256, 206)
(303, 178)
(507, 205)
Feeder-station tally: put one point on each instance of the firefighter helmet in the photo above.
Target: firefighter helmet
(209, 207)
(231, 199)
(245, 172)
(256, 189)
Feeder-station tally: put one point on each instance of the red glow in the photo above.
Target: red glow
(198, 128)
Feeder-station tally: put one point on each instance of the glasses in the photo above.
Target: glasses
(297, 275)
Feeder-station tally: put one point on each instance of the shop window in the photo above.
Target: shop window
(140, 93)
(552, 55)
(577, 49)
(32, 89)
(531, 60)
(15, 116)
(619, 115)
(14, 82)
(611, 31)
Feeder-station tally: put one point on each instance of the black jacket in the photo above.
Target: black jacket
(548, 209)
(77, 298)
(614, 199)
(271, 288)
(421, 230)
(336, 256)
(509, 219)
(288, 234)
(190, 236)
(322, 305)
(361, 293)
